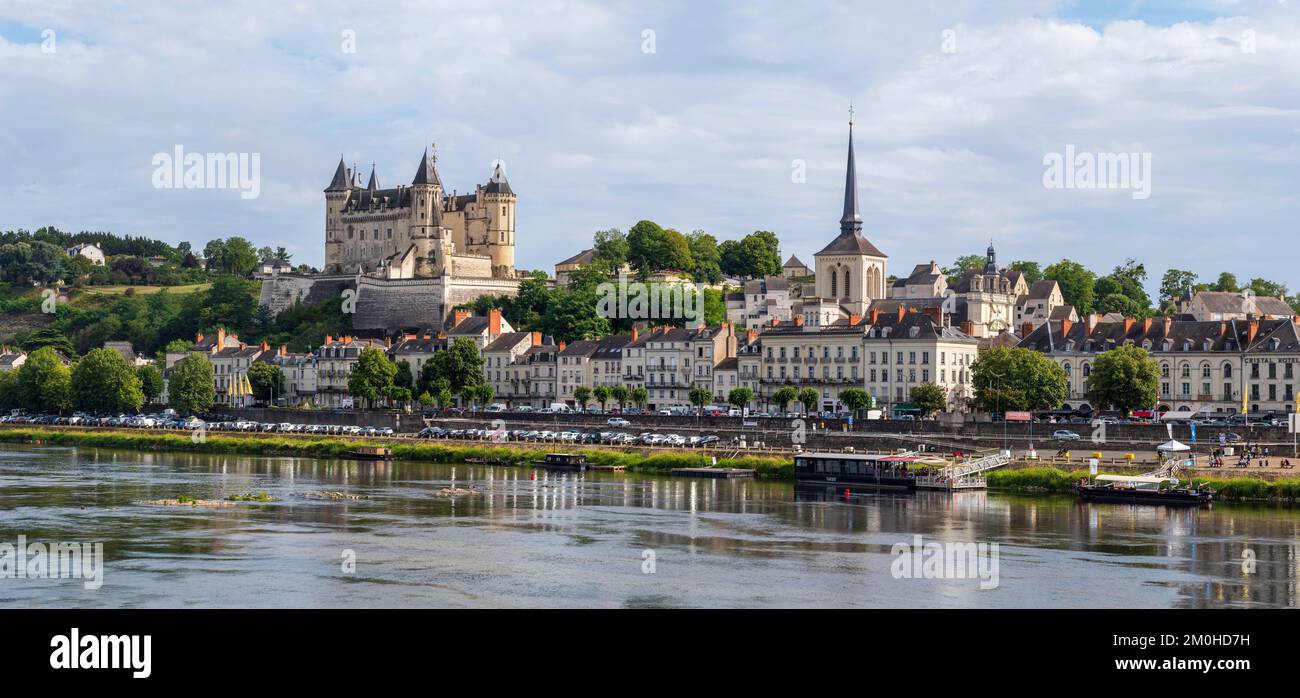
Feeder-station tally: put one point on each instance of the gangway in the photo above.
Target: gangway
(961, 476)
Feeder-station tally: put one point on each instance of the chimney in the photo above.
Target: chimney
(751, 336)
(266, 346)
(875, 316)
(242, 346)
(1169, 324)
(967, 328)
(459, 316)
(494, 322)
(563, 345)
(1128, 325)
(798, 320)
(902, 313)
(1066, 326)
(1146, 326)
(388, 342)
(776, 322)
(1026, 328)
(198, 338)
(635, 333)
(1223, 328)
(537, 337)
(428, 336)
(1089, 322)
(855, 320)
(1252, 329)
(936, 314)
(221, 338)
(329, 340)
(284, 351)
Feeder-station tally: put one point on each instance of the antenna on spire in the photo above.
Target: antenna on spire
(850, 113)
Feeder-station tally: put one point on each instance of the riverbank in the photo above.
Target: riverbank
(433, 452)
(1025, 480)
(1237, 489)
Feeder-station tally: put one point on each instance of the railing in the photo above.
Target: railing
(977, 465)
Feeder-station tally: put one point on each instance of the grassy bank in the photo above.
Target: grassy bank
(435, 452)
(1231, 489)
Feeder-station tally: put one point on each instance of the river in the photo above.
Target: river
(532, 539)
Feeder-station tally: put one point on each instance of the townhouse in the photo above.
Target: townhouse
(1210, 366)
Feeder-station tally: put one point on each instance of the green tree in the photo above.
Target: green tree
(582, 395)
(602, 393)
(191, 389)
(929, 398)
(1174, 284)
(266, 380)
(404, 377)
(963, 264)
(151, 382)
(1126, 378)
(1076, 284)
(1017, 379)
(757, 254)
(740, 397)
(699, 397)
(459, 364)
(855, 399)
(238, 257)
(1227, 281)
(610, 249)
(784, 396)
(1030, 270)
(1266, 288)
(372, 376)
(619, 393)
(706, 259)
(809, 397)
(41, 383)
(102, 381)
(640, 396)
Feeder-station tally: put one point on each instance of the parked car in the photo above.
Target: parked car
(1065, 435)
(618, 422)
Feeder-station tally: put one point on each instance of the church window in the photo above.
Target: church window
(846, 282)
(834, 288)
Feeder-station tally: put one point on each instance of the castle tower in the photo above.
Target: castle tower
(499, 201)
(426, 198)
(851, 270)
(336, 195)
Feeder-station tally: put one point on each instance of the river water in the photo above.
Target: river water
(531, 539)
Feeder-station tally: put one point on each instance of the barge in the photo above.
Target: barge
(856, 471)
(575, 462)
(1140, 489)
(374, 453)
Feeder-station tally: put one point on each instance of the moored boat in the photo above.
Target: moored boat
(1140, 489)
(857, 471)
(563, 461)
(376, 453)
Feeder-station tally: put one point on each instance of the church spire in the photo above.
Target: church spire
(851, 221)
(374, 183)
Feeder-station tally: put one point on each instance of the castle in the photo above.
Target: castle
(402, 258)
(419, 230)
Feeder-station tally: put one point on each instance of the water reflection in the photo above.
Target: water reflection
(530, 538)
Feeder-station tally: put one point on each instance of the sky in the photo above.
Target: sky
(725, 117)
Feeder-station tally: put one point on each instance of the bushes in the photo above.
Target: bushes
(1036, 479)
(775, 468)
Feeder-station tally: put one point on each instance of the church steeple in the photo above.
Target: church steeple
(991, 265)
(851, 221)
(427, 172)
(374, 183)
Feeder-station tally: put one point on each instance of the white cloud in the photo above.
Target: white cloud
(699, 134)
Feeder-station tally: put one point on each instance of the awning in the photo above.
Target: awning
(1135, 479)
(1173, 445)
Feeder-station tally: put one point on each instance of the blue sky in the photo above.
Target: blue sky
(957, 105)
